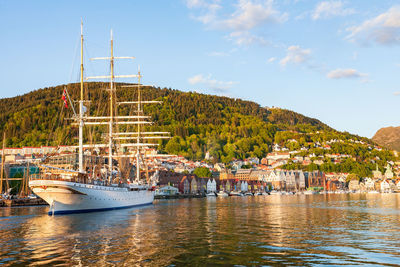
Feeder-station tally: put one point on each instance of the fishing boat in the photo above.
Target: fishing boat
(102, 186)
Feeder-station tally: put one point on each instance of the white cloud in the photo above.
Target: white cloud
(345, 73)
(396, 93)
(329, 9)
(209, 9)
(383, 29)
(218, 86)
(222, 53)
(295, 54)
(245, 38)
(249, 15)
(271, 59)
(240, 23)
(201, 4)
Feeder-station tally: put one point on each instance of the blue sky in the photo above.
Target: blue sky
(337, 61)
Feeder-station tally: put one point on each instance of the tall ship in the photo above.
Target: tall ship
(98, 182)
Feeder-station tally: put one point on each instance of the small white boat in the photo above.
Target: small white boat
(235, 194)
(248, 194)
(265, 194)
(273, 192)
(211, 194)
(222, 194)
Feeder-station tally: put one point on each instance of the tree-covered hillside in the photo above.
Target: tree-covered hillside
(225, 127)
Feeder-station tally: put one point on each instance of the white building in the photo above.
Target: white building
(278, 156)
(211, 186)
(385, 186)
(301, 180)
(369, 184)
(290, 181)
(244, 186)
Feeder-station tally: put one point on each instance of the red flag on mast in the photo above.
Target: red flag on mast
(64, 97)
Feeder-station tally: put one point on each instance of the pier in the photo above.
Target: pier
(22, 202)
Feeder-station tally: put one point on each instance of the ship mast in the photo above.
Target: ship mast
(115, 119)
(81, 109)
(110, 130)
(111, 117)
(139, 112)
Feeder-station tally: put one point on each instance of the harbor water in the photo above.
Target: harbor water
(306, 230)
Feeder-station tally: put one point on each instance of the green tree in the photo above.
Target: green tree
(202, 172)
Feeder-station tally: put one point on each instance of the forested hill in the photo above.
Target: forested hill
(225, 127)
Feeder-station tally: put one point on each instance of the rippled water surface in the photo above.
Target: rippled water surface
(355, 229)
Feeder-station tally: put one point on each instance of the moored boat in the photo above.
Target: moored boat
(222, 194)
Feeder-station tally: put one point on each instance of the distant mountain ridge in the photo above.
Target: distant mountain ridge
(388, 137)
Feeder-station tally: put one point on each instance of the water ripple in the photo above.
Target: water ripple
(266, 230)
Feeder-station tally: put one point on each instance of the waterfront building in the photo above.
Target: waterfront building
(228, 186)
(281, 179)
(354, 185)
(258, 175)
(385, 186)
(300, 180)
(184, 185)
(202, 185)
(335, 185)
(290, 181)
(276, 179)
(194, 187)
(369, 184)
(244, 186)
(315, 179)
(211, 186)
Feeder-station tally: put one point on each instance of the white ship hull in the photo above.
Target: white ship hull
(69, 197)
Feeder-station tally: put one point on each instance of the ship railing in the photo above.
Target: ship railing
(87, 181)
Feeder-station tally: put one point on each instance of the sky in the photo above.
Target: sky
(337, 61)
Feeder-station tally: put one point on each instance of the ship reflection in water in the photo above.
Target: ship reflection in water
(300, 230)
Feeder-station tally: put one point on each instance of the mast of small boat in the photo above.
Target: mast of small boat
(81, 109)
(2, 163)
